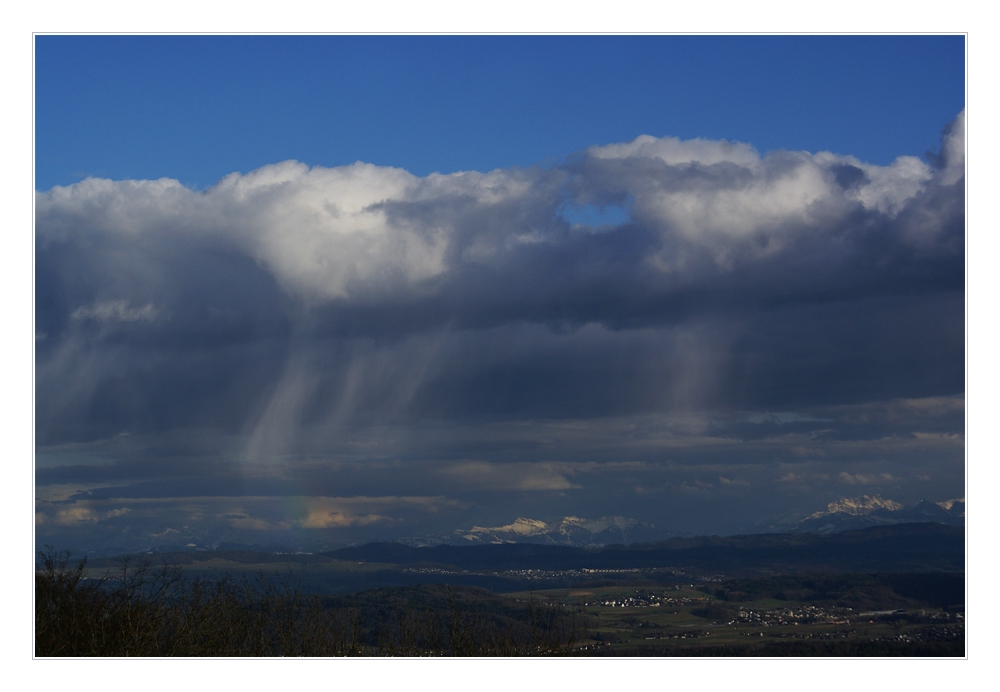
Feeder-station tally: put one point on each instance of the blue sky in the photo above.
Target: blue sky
(650, 295)
(196, 108)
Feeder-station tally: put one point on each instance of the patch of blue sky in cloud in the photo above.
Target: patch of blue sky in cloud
(593, 215)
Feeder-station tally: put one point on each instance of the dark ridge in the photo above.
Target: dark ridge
(917, 547)
(902, 547)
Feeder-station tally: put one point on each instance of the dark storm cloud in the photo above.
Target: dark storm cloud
(359, 316)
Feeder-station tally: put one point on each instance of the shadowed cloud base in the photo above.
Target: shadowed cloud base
(318, 356)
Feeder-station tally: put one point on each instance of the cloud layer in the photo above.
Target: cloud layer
(464, 327)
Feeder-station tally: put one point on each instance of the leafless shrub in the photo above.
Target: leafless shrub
(142, 611)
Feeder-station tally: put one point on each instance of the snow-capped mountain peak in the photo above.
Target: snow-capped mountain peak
(519, 527)
(951, 505)
(858, 506)
(566, 531)
(860, 512)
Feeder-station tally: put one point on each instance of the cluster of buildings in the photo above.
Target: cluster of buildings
(799, 615)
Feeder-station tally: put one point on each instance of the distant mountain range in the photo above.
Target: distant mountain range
(574, 531)
(919, 547)
(861, 512)
(843, 515)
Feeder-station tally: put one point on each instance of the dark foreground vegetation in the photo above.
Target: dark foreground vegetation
(142, 611)
(901, 594)
(799, 649)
